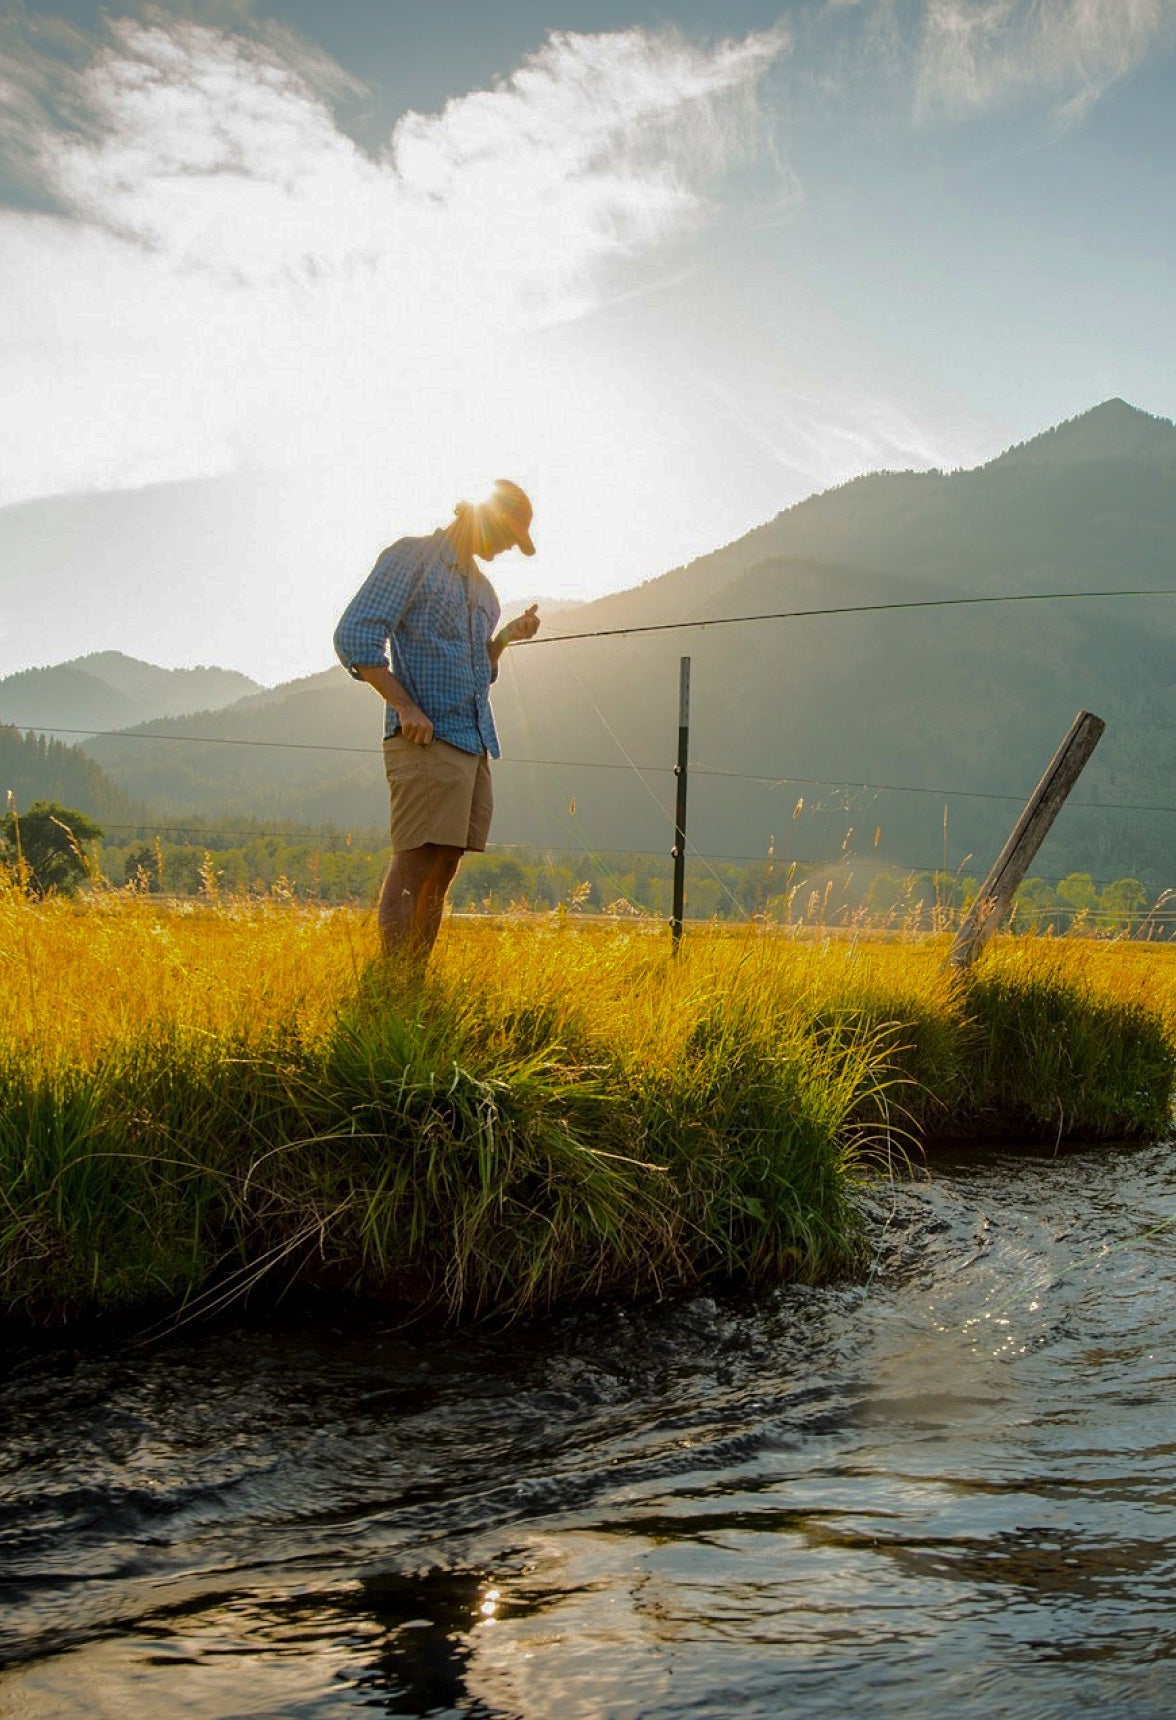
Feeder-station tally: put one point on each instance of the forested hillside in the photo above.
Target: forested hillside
(946, 715)
(33, 767)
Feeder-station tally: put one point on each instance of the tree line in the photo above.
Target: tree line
(54, 848)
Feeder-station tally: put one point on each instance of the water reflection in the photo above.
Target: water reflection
(950, 1489)
(428, 1626)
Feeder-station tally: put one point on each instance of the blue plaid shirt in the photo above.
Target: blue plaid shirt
(438, 621)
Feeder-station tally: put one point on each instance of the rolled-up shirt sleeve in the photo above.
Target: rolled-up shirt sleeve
(368, 622)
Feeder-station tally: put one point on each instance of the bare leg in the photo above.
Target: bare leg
(413, 897)
(433, 898)
(399, 897)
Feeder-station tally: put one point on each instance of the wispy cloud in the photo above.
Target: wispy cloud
(220, 272)
(978, 55)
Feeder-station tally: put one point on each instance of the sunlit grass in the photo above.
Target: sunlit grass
(197, 1099)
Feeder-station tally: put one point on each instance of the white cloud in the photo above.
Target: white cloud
(977, 55)
(233, 279)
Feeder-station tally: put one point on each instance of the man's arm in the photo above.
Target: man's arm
(414, 725)
(366, 626)
(523, 626)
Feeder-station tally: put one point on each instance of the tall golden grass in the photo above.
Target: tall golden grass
(201, 1099)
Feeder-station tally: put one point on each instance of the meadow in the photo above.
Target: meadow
(206, 1101)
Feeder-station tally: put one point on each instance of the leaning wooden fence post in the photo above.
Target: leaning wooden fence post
(1016, 857)
(679, 848)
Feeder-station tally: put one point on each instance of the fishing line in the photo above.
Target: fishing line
(200, 740)
(876, 1262)
(690, 848)
(592, 854)
(591, 764)
(1077, 1264)
(1080, 1263)
(667, 627)
(903, 788)
(844, 609)
(549, 859)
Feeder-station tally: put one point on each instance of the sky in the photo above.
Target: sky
(672, 268)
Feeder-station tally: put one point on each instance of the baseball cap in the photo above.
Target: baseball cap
(514, 504)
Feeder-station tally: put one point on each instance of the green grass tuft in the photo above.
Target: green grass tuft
(554, 1115)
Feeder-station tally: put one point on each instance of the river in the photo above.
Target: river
(947, 1491)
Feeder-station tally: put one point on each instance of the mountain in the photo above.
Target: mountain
(958, 709)
(107, 690)
(1112, 431)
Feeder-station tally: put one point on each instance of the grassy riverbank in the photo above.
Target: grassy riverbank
(194, 1102)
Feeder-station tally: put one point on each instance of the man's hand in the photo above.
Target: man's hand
(414, 725)
(523, 626)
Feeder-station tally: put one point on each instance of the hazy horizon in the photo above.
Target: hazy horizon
(328, 660)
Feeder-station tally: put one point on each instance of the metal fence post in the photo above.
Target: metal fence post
(679, 848)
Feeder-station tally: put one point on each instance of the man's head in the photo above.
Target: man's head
(509, 508)
(501, 522)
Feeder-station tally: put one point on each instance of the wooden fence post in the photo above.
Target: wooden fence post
(679, 848)
(1016, 857)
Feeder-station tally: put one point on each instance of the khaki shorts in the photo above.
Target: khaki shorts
(439, 794)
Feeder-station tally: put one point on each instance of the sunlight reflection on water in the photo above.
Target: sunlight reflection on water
(951, 1489)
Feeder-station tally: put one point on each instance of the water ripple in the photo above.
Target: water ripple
(951, 1488)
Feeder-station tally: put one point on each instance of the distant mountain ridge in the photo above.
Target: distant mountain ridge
(937, 526)
(107, 689)
(789, 717)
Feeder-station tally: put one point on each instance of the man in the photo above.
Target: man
(428, 604)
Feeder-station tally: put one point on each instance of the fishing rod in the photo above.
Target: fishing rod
(842, 609)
